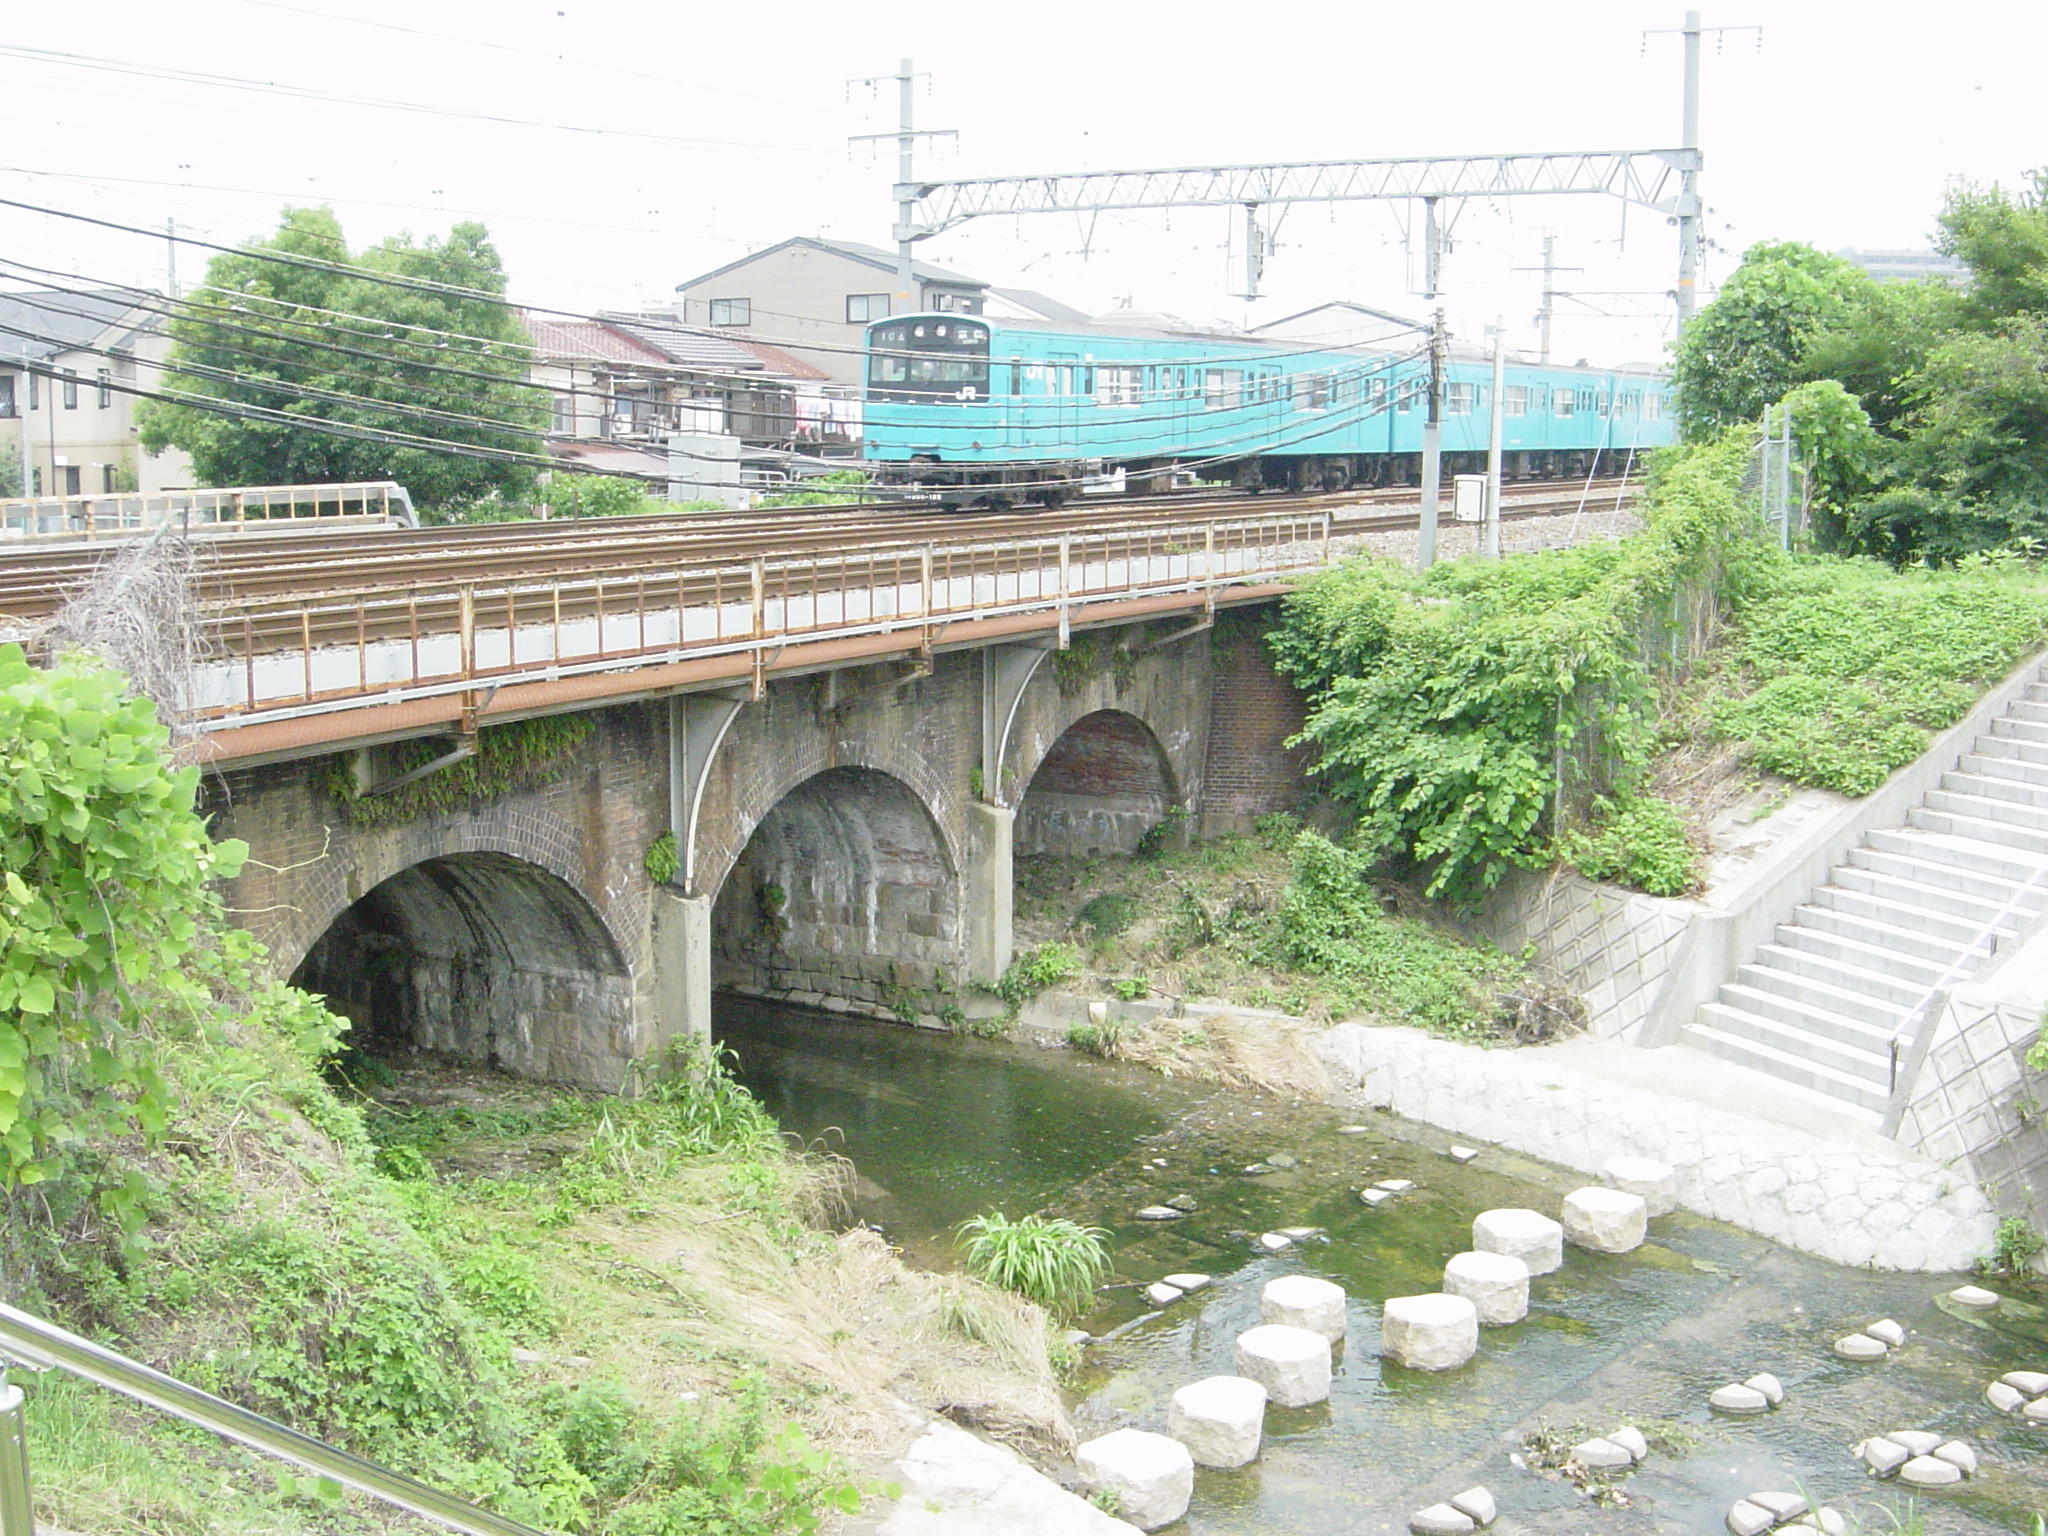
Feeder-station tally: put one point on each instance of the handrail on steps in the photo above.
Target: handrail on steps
(1906, 1035)
(29, 1341)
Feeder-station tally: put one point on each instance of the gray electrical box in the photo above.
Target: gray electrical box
(1468, 498)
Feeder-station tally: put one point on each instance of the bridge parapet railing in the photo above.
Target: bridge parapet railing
(266, 507)
(278, 658)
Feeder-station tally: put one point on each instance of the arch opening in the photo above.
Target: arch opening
(487, 958)
(1099, 789)
(846, 891)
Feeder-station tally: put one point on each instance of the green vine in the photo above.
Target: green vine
(1088, 655)
(525, 754)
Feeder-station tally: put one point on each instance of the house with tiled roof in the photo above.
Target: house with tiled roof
(71, 360)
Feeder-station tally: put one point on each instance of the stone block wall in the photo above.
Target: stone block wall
(1100, 789)
(1976, 1105)
(1613, 947)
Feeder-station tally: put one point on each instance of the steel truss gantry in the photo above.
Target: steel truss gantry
(1652, 178)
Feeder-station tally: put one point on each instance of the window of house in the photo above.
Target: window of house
(106, 479)
(732, 311)
(35, 391)
(71, 394)
(863, 307)
(1514, 400)
(953, 303)
(1458, 402)
(106, 384)
(7, 396)
(1561, 402)
(1119, 386)
(70, 480)
(564, 412)
(1221, 388)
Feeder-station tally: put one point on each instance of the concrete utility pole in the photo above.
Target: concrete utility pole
(1689, 177)
(1433, 423)
(171, 256)
(906, 136)
(1489, 544)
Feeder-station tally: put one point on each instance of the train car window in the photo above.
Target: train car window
(1653, 406)
(1312, 392)
(1561, 402)
(1221, 388)
(1459, 400)
(1404, 396)
(1119, 386)
(1514, 400)
(1587, 402)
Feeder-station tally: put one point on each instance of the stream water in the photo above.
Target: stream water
(942, 1127)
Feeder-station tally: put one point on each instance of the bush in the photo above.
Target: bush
(1640, 841)
(1033, 971)
(1050, 1260)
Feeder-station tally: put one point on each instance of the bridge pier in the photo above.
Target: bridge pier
(990, 890)
(682, 969)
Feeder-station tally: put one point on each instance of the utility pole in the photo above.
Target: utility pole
(171, 256)
(1433, 423)
(1489, 544)
(906, 189)
(1689, 177)
(1254, 252)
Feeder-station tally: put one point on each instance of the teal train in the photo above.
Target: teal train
(1021, 410)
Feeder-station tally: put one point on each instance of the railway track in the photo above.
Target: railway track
(252, 568)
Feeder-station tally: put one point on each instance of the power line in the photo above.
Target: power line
(309, 93)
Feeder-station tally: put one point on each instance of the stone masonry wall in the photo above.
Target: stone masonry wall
(1614, 946)
(1100, 789)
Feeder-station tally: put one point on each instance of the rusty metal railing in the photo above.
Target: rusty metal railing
(289, 657)
(266, 507)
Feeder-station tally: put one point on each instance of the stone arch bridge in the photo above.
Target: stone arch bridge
(842, 834)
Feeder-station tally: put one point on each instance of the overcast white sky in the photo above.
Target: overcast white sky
(724, 129)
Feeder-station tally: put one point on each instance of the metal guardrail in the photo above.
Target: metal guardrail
(266, 507)
(287, 658)
(32, 1342)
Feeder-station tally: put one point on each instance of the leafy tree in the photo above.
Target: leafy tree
(1979, 435)
(413, 334)
(1744, 350)
(2004, 239)
(13, 479)
(1883, 340)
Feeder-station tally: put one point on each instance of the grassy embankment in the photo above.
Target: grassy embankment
(1593, 707)
(595, 1314)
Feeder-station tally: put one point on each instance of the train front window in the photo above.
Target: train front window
(930, 360)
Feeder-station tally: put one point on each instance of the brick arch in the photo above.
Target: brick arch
(848, 886)
(757, 781)
(1098, 787)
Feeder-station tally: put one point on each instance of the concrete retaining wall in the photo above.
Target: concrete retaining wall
(1614, 946)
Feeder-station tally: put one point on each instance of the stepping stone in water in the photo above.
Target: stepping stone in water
(1974, 1297)
(1769, 1385)
(1395, 1186)
(1220, 1420)
(1464, 1154)
(1185, 1204)
(1783, 1506)
(1273, 1242)
(1354, 1130)
(1496, 1285)
(1300, 1234)
(1630, 1439)
(1441, 1520)
(1602, 1453)
(2029, 1383)
(1153, 1477)
(1887, 1333)
(1605, 1220)
(1302, 1301)
(1882, 1455)
(1159, 1213)
(1825, 1519)
(1930, 1472)
(1954, 1451)
(1375, 1196)
(1160, 1294)
(1476, 1502)
(1529, 1236)
(2036, 1412)
(1282, 1160)
(1860, 1346)
(1747, 1519)
(1737, 1398)
(1187, 1282)
(1292, 1364)
(2005, 1397)
(1656, 1182)
(1429, 1333)
(1918, 1441)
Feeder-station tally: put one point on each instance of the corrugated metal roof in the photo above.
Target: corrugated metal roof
(780, 362)
(72, 320)
(679, 344)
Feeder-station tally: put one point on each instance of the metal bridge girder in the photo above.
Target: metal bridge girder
(1643, 176)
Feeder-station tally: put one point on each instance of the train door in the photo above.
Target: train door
(1063, 379)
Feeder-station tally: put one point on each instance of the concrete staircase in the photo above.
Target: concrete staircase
(1819, 1008)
